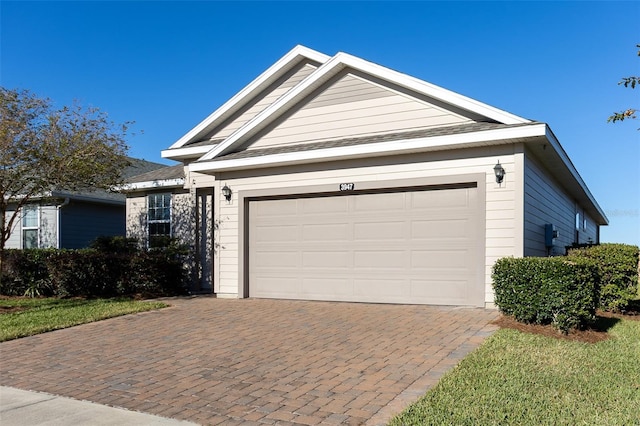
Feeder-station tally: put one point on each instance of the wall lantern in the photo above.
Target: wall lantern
(499, 171)
(226, 191)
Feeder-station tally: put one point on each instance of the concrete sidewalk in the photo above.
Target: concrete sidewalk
(20, 408)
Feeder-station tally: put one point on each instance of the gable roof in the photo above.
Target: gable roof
(330, 67)
(489, 126)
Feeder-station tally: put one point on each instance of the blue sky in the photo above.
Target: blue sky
(168, 65)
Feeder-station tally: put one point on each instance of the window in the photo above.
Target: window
(30, 227)
(159, 219)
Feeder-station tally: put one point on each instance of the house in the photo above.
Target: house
(72, 220)
(334, 178)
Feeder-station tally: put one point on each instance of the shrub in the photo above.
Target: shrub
(117, 244)
(107, 272)
(86, 273)
(618, 269)
(547, 291)
(24, 273)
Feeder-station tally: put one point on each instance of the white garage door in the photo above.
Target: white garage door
(418, 246)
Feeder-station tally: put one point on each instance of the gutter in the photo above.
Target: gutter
(58, 208)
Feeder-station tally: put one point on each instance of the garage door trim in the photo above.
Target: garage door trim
(360, 187)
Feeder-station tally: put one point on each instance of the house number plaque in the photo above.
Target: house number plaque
(347, 187)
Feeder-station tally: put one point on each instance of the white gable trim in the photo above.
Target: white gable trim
(284, 64)
(464, 140)
(332, 67)
(185, 153)
(152, 184)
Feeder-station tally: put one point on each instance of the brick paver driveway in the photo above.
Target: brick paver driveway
(216, 361)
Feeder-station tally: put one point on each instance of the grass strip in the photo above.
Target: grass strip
(45, 314)
(518, 378)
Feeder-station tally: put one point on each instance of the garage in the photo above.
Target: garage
(419, 245)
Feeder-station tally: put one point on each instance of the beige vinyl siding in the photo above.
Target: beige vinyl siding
(137, 217)
(260, 102)
(353, 107)
(499, 222)
(545, 202)
(183, 217)
(15, 238)
(48, 227)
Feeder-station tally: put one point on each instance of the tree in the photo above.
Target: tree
(43, 149)
(630, 112)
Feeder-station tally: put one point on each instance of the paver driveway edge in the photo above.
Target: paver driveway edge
(252, 361)
(423, 384)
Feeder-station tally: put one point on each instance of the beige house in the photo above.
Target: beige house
(333, 178)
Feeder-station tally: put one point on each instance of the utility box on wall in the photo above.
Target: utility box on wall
(550, 234)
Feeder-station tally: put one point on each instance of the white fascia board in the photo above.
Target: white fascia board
(152, 184)
(574, 172)
(483, 138)
(183, 153)
(331, 68)
(271, 74)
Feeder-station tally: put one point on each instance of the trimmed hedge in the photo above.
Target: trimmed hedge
(91, 273)
(547, 291)
(618, 268)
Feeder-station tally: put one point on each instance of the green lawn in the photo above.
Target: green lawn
(45, 314)
(517, 378)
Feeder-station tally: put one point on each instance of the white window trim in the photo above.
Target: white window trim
(169, 221)
(30, 228)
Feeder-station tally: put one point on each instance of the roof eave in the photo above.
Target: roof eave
(398, 147)
(152, 184)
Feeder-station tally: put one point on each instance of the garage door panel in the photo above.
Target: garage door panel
(324, 205)
(276, 233)
(276, 286)
(443, 290)
(439, 199)
(325, 232)
(379, 231)
(443, 228)
(374, 203)
(380, 290)
(398, 247)
(380, 259)
(433, 260)
(326, 259)
(276, 208)
(326, 288)
(276, 259)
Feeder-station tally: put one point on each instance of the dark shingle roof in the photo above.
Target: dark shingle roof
(388, 137)
(139, 166)
(164, 173)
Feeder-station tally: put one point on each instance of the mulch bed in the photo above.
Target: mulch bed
(597, 333)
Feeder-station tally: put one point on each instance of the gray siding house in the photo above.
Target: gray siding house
(334, 178)
(73, 220)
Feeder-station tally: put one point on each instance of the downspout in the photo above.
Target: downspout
(58, 207)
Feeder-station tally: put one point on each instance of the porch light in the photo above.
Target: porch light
(226, 191)
(499, 171)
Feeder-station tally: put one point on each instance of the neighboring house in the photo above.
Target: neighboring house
(72, 220)
(333, 178)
